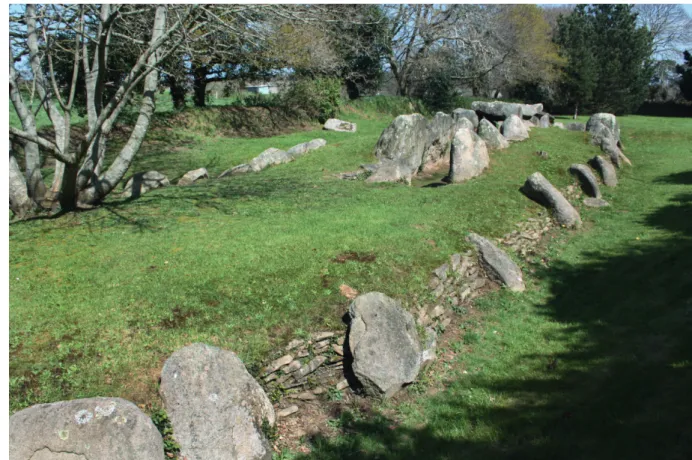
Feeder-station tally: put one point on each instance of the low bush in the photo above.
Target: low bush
(318, 98)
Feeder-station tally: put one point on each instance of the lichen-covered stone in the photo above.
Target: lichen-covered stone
(215, 406)
(506, 109)
(383, 341)
(540, 189)
(587, 180)
(470, 115)
(141, 183)
(191, 177)
(514, 129)
(605, 169)
(84, 429)
(497, 264)
(400, 149)
(334, 124)
(491, 135)
(469, 156)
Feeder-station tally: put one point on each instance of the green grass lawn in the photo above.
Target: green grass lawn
(99, 299)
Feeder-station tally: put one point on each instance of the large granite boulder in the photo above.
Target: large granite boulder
(468, 114)
(93, 429)
(544, 121)
(605, 169)
(538, 188)
(334, 124)
(215, 406)
(491, 135)
(191, 177)
(400, 148)
(608, 119)
(384, 343)
(441, 131)
(587, 180)
(514, 129)
(502, 110)
(301, 149)
(469, 156)
(141, 183)
(606, 138)
(497, 264)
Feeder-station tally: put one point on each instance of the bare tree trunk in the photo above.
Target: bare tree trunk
(105, 183)
(200, 85)
(54, 192)
(20, 202)
(177, 92)
(68, 187)
(32, 161)
(576, 110)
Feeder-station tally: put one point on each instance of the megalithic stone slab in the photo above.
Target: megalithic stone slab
(383, 341)
(497, 264)
(215, 406)
(587, 180)
(91, 428)
(514, 129)
(491, 135)
(605, 169)
(469, 156)
(541, 190)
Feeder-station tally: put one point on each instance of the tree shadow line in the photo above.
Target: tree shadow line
(621, 390)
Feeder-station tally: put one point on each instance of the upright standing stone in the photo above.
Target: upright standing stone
(93, 429)
(586, 179)
(540, 189)
(400, 148)
(544, 121)
(608, 119)
(514, 129)
(605, 169)
(215, 406)
(469, 156)
(383, 341)
(468, 114)
(492, 137)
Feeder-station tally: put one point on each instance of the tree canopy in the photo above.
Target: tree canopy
(609, 64)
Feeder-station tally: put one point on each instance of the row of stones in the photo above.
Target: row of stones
(140, 183)
(412, 144)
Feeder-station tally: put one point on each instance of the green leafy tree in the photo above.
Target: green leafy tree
(609, 65)
(685, 72)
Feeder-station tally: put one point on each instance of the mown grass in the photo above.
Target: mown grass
(99, 299)
(595, 359)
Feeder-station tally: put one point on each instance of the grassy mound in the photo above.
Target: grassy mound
(98, 300)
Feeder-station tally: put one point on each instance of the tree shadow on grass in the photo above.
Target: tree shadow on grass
(623, 388)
